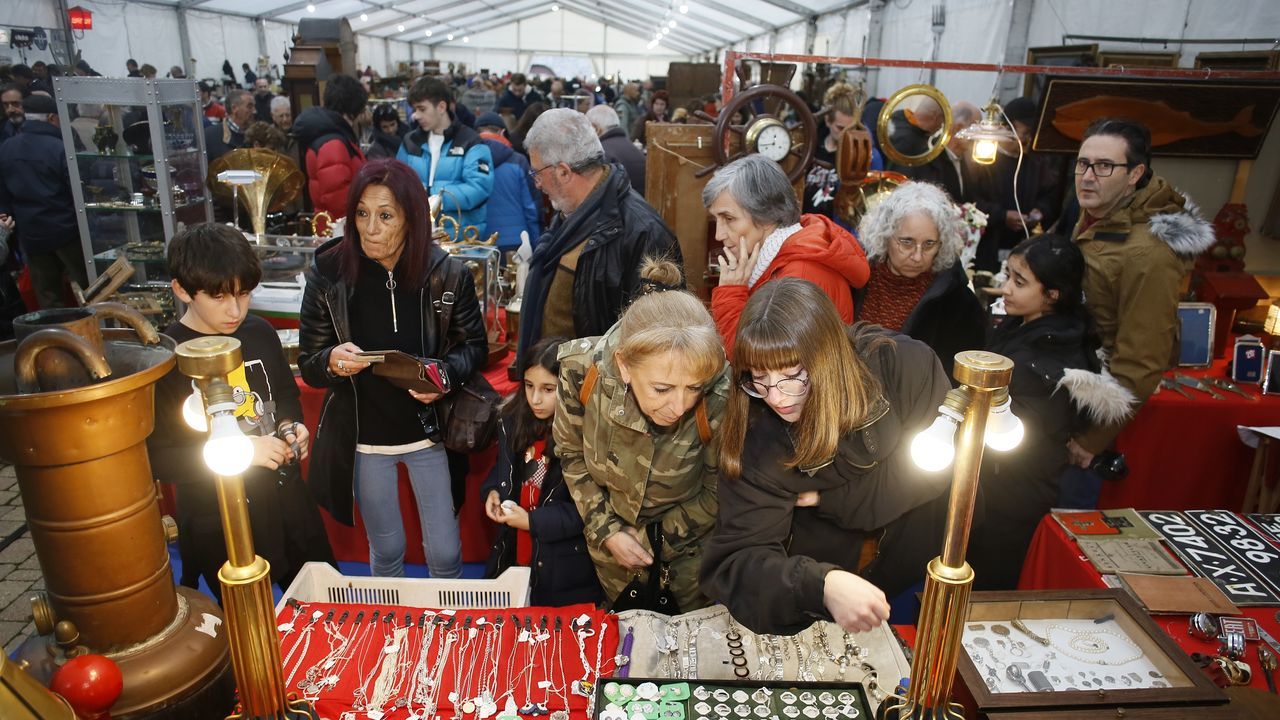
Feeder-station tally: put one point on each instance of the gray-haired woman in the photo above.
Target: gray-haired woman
(918, 286)
(765, 237)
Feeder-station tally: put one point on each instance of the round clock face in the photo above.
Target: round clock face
(773, 142)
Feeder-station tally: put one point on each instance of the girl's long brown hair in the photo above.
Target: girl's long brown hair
(791, 322)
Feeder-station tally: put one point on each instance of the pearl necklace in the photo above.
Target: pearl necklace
(1087, 643)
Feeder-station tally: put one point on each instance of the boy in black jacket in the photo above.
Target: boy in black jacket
(214, 270)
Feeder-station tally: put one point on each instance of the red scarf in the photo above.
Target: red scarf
(536, 463)
(890, 298)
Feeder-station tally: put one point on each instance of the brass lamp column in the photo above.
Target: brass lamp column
(949, 580)
(245, 577)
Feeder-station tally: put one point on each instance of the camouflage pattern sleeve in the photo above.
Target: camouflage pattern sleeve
(591, 496)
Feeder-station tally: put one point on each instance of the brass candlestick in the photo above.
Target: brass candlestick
(245, 577)
(950, 579)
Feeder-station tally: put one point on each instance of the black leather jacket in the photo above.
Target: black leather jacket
(324, 324)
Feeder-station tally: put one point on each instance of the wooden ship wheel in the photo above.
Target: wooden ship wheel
(763, 130)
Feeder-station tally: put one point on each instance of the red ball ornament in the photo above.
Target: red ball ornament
(91, 683)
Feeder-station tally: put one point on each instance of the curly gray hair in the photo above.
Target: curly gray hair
(879, 226)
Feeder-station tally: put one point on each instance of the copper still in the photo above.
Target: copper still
(76, 407)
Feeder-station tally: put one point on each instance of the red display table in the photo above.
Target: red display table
(350, 543)
(1054, 561)
(1185, 454)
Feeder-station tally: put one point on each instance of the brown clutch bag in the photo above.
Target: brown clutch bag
(406, 371)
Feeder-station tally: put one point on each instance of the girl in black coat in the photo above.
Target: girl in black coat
(1056, 374)
(526, 495)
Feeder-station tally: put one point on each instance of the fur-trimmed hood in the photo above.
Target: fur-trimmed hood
(1173, 218)
(1098, 395)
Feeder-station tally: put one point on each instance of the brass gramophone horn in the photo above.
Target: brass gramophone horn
(280, 182)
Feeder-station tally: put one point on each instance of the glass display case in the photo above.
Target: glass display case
(135, 182)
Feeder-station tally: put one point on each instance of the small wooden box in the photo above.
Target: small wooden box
(1188, 692)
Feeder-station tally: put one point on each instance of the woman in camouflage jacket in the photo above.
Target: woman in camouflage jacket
(638, 409)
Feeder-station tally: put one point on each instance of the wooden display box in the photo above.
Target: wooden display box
(1189, 693)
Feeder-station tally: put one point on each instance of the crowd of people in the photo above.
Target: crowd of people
(753, 453)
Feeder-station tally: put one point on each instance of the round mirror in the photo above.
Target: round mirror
(914, 125)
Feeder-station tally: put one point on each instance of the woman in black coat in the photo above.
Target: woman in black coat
(526, 495)
(1056, 376)
(822, 512)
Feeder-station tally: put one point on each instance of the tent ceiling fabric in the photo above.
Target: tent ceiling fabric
(707, 25)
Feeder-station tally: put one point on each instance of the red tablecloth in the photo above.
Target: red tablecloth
(351, 544)
(1185, 454)
(1054, 561)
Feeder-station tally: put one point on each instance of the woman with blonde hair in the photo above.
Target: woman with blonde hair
(821, 510)
(638, 409)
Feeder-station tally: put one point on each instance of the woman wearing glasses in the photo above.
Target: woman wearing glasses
(918, 286)
(765, 237)
(822, 512)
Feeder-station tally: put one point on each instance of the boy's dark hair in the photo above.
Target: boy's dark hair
(21, 71)
(431, 90)
(519, 79)
(1137, 141)
(525, 428)
(214, 258)
(344, 94)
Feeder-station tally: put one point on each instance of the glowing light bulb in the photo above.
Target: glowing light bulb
(666, 31)
(934, 448)
(1004, 430)
(449, 36)
(193, 412)
(672, 24)
(311, 8)
(984, 151)
(228, 452)
(364, 17)
(555, 8)
(400, 28)
(466, 38)
(684, 8)
(427, 33)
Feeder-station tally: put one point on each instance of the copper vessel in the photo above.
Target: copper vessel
(81, 461)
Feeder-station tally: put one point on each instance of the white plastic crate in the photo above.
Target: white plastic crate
(319, 582)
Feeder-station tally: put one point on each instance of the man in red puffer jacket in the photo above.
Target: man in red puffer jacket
(333, 151)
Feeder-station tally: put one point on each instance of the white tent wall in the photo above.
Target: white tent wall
(279, 38)
(970, 36)
(147, 33)
(217, 38)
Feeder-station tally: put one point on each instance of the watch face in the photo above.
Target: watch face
(773, 142)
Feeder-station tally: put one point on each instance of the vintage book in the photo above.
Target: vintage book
(1128, 555)
(1130, 524)
(1086, 522)
(1163, 594)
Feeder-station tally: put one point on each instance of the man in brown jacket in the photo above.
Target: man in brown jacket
(1139, 236)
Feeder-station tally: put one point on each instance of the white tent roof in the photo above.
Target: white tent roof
(699, 25)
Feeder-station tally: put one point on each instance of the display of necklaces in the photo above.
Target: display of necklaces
(1025, 655)
(396, 663)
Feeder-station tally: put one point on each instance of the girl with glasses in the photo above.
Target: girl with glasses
(822, 512)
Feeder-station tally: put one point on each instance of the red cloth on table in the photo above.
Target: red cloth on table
(562, 666)
(350, 544)
(1054, 561)
(1185, 454)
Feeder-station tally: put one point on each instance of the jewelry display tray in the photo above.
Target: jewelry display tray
(1125, 625)
(808, 700)
(880, 650)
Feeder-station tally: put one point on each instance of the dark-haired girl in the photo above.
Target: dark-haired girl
(1057, 384)
(526, 494)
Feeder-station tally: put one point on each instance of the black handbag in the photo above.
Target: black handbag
(655, 593)
(468, 415)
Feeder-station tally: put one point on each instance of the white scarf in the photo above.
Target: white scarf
(769, 250)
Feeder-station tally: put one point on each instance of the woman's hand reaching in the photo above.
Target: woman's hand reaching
(855, 604)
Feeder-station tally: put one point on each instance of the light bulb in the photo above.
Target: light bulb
(672, 24)
(364, 17)
(400, 28)
(311, 8)
(449, 36)
(466, 38)
(555, 8)
(193, 412)
(1004, 429)
(984, 151)
(666, 31)
(934, 448)
(428, 33)
(684, 9)
(228, 452)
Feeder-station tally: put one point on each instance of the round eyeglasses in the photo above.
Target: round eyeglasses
(791, 386)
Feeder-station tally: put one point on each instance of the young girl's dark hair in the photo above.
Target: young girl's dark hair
(525, 427)
(1058, 265)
